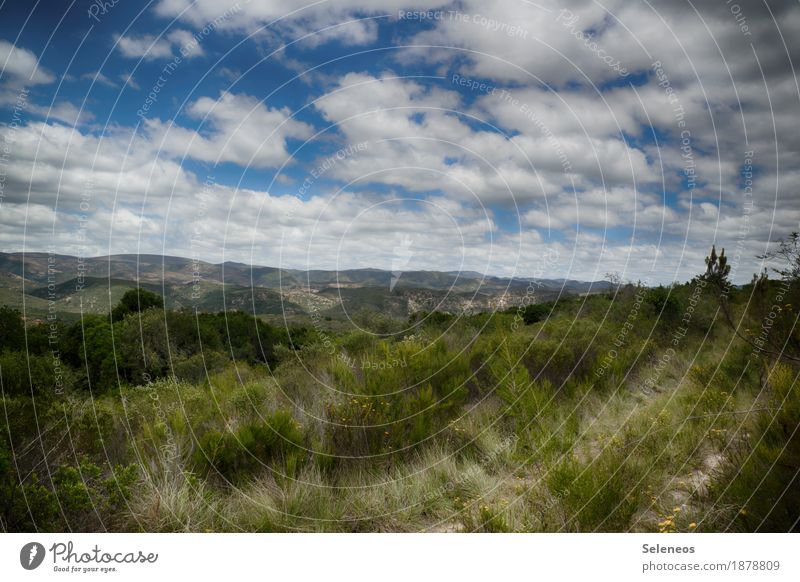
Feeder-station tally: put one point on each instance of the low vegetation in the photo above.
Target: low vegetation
(640, 409)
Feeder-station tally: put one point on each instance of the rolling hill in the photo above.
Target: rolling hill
(72, 285)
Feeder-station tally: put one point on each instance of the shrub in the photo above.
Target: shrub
(664, 302)
(22, 373)
(536, 312)
(82, 498)
(134, 301)
(12, 329)
(88, 498)
(757, 481)
(405, 396)
(600, 497)
(252, 446)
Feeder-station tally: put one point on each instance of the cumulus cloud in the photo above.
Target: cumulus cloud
(19, 66)
(63, 111)
(345, 21)
(239, 129)
(616, 135)
(145, 46)
(151, 47)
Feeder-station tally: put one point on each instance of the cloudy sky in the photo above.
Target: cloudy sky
(551, 138)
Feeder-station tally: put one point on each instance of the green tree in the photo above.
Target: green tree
(22, 372)
(536, 312)
(89, 348)
(135, 301)
(780, 341)
(12, 330)
(717, 269)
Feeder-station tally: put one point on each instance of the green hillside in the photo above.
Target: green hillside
(643, 409)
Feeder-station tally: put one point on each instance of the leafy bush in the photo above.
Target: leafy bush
(89, 499)
(81, 498)
(251, 447)
(402, 398)
(22, 373)
(536, 312)
(603, 496)
(135, 301)
(89, 349)
(664, 302)
(12, 329)
(758, 481)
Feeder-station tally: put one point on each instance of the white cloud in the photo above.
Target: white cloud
(57, 163)
(186, 43)
(146, 46)
(238, 129)
(100, 79)
(151, 47)
(63, 111)
(19, 66)
(415, 133)
(127, 79)
(571, 121)
(346, 21)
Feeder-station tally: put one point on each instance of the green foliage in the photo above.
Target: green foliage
(88, 498)
(758, 482)
(577, 423)
(42, 376)
(665, 303)
(717, 269)
(88, 347)
(23, 507)
(246, 337)
(602, 496)
(487, 520)
(78, 498)
(12, 330)
(536, 312)
(400, 396)
(374, 321)
(46, 338)
(135, 301)
(433, 318)
(251, 448)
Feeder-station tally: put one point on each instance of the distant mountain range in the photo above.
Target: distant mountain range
(69, 285)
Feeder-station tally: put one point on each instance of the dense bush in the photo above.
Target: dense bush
(759, 480)
(136, 300)
(24, 374)
(251, 448)
(665, 303)
(12, 330)
(571, 424)
(144, 343)
(536, 312)
(602, 496)
(80, 497)
(395, 398)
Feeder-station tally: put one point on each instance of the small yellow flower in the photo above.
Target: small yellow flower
(676, 510)
(692, 525)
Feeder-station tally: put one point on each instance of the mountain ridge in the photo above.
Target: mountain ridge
(150, 268)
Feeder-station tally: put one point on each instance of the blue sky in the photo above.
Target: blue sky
(474, 135)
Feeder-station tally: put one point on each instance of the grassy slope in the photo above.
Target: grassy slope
(535, 439)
